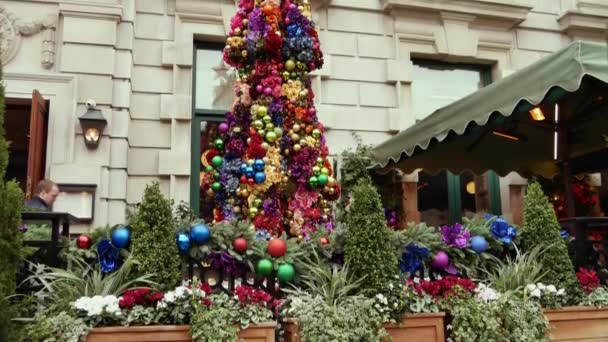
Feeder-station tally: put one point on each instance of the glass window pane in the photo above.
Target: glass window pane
(214, 81)
(434, 87)
(208, 134)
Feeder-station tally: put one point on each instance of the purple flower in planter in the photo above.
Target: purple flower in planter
(228, 264)
(23, 228)
(455, 236)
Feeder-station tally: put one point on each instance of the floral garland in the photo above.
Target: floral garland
(268, 160)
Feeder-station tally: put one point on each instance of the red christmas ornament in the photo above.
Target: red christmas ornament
(277, 248)
(324, 241)
(240, 245)
(84, 242)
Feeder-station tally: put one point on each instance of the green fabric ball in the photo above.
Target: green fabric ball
(286, 273)
(216, 186)
(313, 181)
(322, 179)
(217, 161)
(264, 267)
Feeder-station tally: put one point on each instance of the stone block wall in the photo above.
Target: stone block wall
(135, 58)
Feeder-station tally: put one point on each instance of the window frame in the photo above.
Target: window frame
(200, 115)
(453, 181)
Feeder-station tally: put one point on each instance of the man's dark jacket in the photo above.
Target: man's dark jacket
(38, 204)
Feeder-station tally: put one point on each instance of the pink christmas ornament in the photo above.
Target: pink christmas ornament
(441, 260)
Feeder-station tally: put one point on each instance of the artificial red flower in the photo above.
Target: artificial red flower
(145, 297)
(443, 287)
(588, 279)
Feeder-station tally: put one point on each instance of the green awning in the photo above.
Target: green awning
(462, 135)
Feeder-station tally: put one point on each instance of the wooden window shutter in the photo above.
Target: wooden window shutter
(37, 143)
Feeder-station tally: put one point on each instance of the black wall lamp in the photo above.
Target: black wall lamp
(92, 124)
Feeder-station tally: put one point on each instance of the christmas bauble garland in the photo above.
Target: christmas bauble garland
(267, 163)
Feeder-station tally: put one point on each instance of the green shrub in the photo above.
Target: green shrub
(542, 229)
(153, 238)
(368, 247)
(11, 202)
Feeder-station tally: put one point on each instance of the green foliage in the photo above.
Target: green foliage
(598, 298)
(153, 238)
(542, 229)
(224, 234)
(352, 171)
(222, 320)
(330, 282)
(419, 234)
(61, 287)
(508, 319)
(11, 202)
(61, 327)
(368, 239)
(514, 274)
(355, 319)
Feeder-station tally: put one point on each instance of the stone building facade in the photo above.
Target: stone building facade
(136, 60)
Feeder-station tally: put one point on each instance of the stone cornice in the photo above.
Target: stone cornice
(576, 20)
(512, 12)
(95, 11)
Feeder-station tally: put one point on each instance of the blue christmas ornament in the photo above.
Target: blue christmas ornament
(479, 244)
(121, 237)
(109, 257)
(258, 165)
(249, 172)
(183, 243)
(243, 168)
(260, 177)
(200, 234)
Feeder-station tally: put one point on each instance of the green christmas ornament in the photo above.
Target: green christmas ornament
(262, 111)
(278, 131)
(325, 171)
(286, 273)
(267, 119)
(313, 181)
(286, 75)
(216, 175)
(253, 211)
(264, 267)
(257, 202)
(290, 65)
(269, 126)
(216, 186)
(219, 143)
(258, 124)
(316, 170)
(271, 137)
(217, 161)
(323, 180)
(209, 168)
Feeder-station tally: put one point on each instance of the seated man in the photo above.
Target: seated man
(45, 194)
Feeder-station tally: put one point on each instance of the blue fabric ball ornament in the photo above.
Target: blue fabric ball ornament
(258, 165)
(479, 244)
(249, 172)
(121, 237)
(260, 177)
(243, 168)
(183, 243)
(109, 257)
(200, 234)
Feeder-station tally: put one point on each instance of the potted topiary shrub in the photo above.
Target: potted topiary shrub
(586, 321)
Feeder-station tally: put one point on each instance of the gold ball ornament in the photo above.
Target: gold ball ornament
(296, 128)
(297, 147)
(316, 133)
(295, 137)
(331, 182)
(316, 170)
(265, 145)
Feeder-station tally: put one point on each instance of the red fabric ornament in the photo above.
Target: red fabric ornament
(240, 245)
(84, 241)
(277, 248)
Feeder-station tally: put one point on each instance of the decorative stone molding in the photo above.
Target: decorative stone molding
(95, 11)
(502, 12)
(574, 22)
(12, 29)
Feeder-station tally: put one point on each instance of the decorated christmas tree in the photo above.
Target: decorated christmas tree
(268, 162)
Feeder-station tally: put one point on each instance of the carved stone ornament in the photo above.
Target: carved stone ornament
(9, 36)
(11, 30)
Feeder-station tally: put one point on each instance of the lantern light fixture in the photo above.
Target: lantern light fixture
(92, 124)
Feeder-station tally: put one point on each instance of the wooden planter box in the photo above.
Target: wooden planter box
(419, 328)
(415, 328)
(578, 323)
(263, 332)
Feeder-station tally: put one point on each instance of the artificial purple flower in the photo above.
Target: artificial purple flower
(23, 228)
(228, 264)
(455, 236)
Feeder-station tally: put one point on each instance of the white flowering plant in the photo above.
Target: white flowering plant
(486, 293)
(548, 296)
